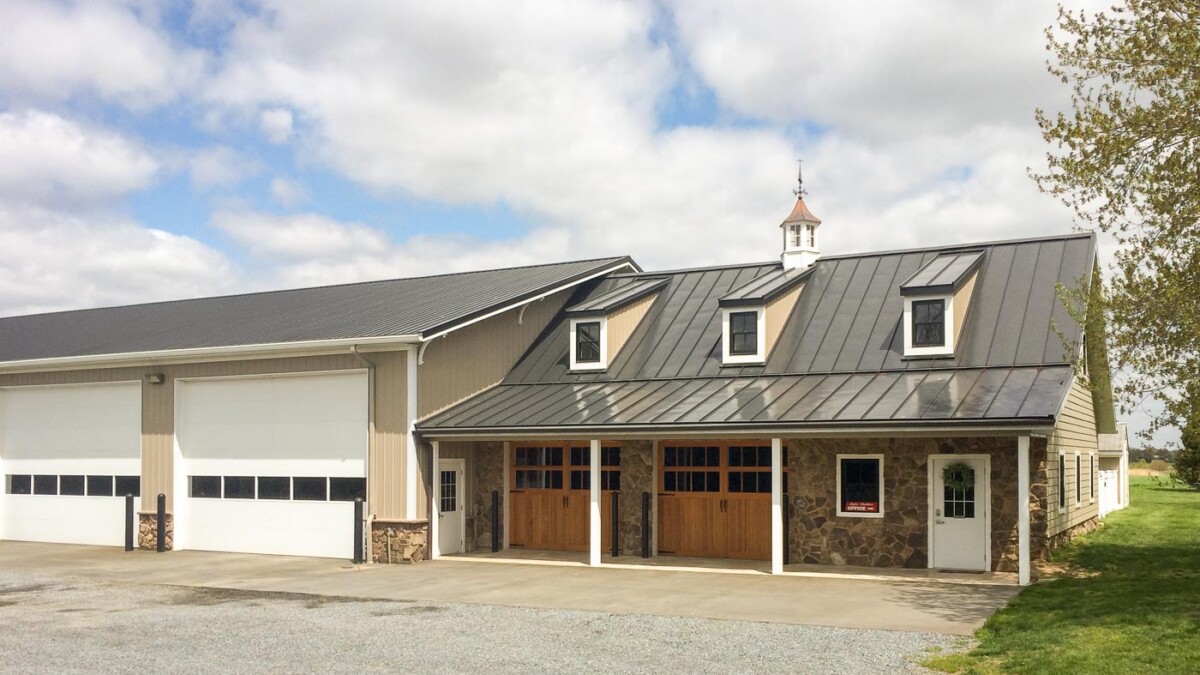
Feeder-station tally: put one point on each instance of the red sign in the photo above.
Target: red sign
(861, 507)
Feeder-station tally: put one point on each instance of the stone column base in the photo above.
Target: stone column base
(396, 541)
(148, 531)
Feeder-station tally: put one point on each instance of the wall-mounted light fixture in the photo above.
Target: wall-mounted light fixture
(155, 378)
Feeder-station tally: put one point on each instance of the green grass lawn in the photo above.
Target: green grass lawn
(1131, 604)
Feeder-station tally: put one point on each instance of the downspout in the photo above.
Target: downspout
(368, 553)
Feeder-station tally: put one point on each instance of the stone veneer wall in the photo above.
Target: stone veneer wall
(148, 531)
(637, 476)
(406, 539)
(900, 538)
(487, 469)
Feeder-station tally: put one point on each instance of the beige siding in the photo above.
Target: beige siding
(961, 300)
(623, 322)
(778, 311)
(389, 450)
(1074, 432)
(477, 357)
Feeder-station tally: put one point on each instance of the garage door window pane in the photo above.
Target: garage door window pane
(205, 487)
(45, 485)
(347, 489)
(274, 487)
(129, 485)
(309, 489)
(100, 486)
(239, 487)
(20, 484)
(70, 485)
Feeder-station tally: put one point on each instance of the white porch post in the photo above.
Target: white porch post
(1023, 563)
(594, 512)
(435, 508)
(504, 496)
(777, 533)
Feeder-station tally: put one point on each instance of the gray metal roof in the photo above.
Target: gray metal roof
(977, 396)
(944, 274)
(763, 288)
(419, 305)
(622, 294)
(844, 331)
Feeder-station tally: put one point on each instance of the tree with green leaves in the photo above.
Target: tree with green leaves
(1126, 158)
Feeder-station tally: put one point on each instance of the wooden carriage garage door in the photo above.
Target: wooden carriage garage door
(715, 500)
(549, 499)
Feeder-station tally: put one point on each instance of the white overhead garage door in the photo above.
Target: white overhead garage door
(271, 464)
(69, 454)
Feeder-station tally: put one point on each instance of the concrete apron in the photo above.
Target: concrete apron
(828, 600)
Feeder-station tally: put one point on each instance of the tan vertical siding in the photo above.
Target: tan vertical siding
(474, 358)
(623, 322)
(778, 311)
(1074, 431)
(961, 299)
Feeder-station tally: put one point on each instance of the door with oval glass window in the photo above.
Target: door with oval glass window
(959, 508)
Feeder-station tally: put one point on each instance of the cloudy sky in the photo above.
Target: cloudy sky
(165, 150)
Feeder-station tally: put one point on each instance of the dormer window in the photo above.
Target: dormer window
(929, 323)
(744, 336)
(589, 344)
(935, 303)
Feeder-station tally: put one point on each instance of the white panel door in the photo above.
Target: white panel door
(68, 454)
(271, 464)
(451, 527)
(959, 514)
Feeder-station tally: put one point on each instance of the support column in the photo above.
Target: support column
(594, 538)
(1023, 562)
(777, 533)
(654, 461)
(435, 506)
(504, 495)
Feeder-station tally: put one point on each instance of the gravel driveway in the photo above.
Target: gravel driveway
(54, 625)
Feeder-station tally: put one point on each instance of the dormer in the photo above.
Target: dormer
(600, 326)
(935, 303)
(753, 315)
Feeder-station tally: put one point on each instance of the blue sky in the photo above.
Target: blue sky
(178, 149)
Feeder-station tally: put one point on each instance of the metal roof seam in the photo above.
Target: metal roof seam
(961, 247)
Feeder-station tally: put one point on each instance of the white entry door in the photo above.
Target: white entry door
(959, 506)
(450, 505)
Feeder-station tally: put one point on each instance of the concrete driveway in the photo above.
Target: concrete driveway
(923, 606)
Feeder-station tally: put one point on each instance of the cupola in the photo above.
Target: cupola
(800, 248)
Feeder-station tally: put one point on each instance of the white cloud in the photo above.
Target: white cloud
(54, 260)
(287, 193)
(276, 123)
(47, 159)
(53, 51)
(220, 166)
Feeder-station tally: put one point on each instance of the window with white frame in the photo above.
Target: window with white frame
(1092, 476)
(929, 326)
(744, 337)
(589, 344)
(1062, 481)
(1078, 479)
(860, 486)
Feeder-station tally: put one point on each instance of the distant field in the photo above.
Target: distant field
(1147, 472)
(1129, 601)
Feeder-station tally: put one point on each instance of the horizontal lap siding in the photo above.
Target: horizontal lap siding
(1075, 431)
(778, 311)
(474, 358)
(622, 323)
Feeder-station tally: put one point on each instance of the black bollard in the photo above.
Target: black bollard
(495, 521)
(162, 522)
(787, 537)
(129, 517)
(645, 524)
(358, 531)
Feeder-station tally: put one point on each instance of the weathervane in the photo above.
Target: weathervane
(799, 191)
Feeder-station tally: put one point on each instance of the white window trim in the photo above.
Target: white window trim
(1093, 475)
(759, 356)
(947, 331)
(857, 514)
(1061, 497)
(603, 362)
(1078, 479)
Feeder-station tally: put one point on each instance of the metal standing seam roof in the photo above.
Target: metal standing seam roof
(618, 297)
(844, 332)
(399, 307)
(944, 274)
(991, 396)
(763, 288)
